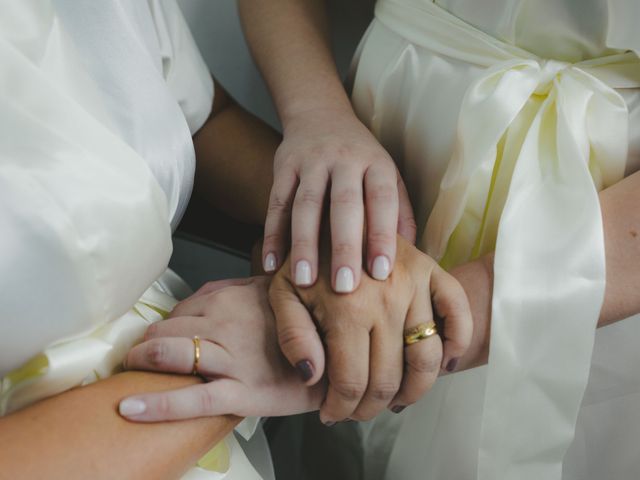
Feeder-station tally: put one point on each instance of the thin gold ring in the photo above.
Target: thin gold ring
(196, 355)
(420, 332)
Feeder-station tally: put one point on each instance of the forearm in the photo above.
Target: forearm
(621, 220)
(234, 160)
(290, 42)
(79, 434)
(621, 224)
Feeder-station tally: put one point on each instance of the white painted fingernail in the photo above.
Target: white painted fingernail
(381, 268)
(131, 407)
(269, 264)
(303, 273)
(344, 280)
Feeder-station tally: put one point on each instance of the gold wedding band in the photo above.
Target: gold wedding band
(196, 355)
(419, 332)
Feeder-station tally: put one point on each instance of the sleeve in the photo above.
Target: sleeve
(185, 72)
(84, 225)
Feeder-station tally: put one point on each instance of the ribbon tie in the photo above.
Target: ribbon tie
(536, 140)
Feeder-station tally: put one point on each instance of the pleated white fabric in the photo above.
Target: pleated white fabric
(502, 149)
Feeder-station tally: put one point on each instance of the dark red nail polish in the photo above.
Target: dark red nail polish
(305, 369)
(398, 408)
(451, 366)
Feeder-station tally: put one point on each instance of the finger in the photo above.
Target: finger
(347, 217)
(385, 375)
(220, 397)
(276, 227)
(297, 335)
(214, 286)
(406, 221)
(177, 355)
(183, 326)
(381, 198)
(421, 360)
(305, 226)
(451, 305)
(348, 372)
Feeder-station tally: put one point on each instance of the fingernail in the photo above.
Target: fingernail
(381, 268)
(398, 408)
(344, 280)
(305, 369)
(303, 273)
(329, 424)
(131, 407)
(269, 264)
(451, 366)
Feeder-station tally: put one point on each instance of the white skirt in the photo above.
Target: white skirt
(504, 150)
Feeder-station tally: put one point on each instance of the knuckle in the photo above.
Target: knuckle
(271, 239)
(278, 205)
(343, 249)
(383, 192)
(383, 391)
(382, 237)
(349, 390)
(346, 196)
(163, 406)
(291, 338)
(206, 400)
(157, 354)
(309, 197)
(301, 242)
(424, 364)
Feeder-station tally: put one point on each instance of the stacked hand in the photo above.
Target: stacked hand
(368, 366)
(361, 334)
(239, 355)
(330, 153)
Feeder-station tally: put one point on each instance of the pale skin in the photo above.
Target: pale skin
(324, 145)
(621, 220)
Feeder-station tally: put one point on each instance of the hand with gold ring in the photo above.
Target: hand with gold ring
(361, 334)
(226, 334)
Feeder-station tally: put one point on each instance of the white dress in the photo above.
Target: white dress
(505, 118)
(98, 102)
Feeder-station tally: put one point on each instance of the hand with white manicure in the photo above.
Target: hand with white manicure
(361, 334)
(239, 355)
(330, 154)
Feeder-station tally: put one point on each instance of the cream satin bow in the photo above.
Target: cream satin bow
(536, 140)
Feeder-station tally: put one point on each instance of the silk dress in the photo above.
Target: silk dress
(506, 118)
(98, 104)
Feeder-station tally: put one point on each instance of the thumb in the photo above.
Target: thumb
(297, 334)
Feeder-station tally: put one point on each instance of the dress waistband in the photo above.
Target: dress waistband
(434, 28)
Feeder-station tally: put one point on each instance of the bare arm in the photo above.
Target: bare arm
(290, 42)
(326, 151)
(621, 222)
(79, 434)
(234, 160)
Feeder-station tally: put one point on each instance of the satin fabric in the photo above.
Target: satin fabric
(95, 163)
(98, 101)
(513, 160)
(99, 354)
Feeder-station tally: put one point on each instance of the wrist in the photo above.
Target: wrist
(338, 105)
(476, 278)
